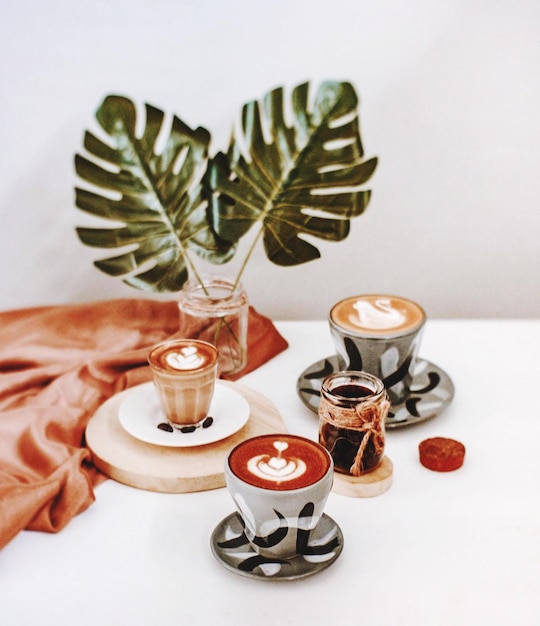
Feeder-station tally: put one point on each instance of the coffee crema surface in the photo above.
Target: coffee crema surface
(183, 356)
(377, 315)
(279, 462)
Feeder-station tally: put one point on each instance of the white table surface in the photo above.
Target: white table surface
(461, 548)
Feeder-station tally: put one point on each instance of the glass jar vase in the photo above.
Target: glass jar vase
(216, 310)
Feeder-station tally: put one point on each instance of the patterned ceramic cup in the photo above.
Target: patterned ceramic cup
(280, 484)
(380, 335)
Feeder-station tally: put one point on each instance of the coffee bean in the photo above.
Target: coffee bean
(166, 427)
(188, 429)
(208, 422)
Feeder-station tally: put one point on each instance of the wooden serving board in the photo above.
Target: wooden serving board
(171, 470)
(368, 485)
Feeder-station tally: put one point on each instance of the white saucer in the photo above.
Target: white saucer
(140, 414)
(231, 548)
(431, 391)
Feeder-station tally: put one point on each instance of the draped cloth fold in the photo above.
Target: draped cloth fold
(58, 364)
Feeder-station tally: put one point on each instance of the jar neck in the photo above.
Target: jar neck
(214, 288)
(357, 413)
(347, 403)
(352, 388)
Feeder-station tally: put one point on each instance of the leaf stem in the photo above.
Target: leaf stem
(248, 256)
(195, 272)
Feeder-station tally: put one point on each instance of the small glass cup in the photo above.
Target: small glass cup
(216, 310)
(352, 413)
(184, 374)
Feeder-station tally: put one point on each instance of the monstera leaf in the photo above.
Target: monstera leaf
(293, 180)
(156, 196)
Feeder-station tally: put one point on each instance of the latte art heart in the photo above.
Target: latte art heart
(279, 462)
(281, 446)
(276, 468)
(187, 358)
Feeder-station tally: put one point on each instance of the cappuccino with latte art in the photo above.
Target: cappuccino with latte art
(377, 315)
(279, 462)
(184, 373)
(280, 484)
(378, 334)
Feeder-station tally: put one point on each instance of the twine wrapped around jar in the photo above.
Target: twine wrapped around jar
(352, 429)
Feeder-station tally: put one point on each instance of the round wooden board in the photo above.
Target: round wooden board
(171, 470)
(367, 486)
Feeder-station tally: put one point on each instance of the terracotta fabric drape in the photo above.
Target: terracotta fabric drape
(58, 364)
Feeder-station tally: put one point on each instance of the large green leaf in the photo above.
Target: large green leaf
(295, 179)
(155, 194)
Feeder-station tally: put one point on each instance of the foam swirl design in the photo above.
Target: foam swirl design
(276, 468)
(187, 358)
(377, 315)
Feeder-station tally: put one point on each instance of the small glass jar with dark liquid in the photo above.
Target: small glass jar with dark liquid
(352, 413)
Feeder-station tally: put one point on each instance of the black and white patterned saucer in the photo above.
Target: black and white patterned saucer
(431, 392)
(231, 548)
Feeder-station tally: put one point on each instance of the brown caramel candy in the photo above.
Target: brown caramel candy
(441, 454)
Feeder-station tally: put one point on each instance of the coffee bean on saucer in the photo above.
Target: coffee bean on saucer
(188, 429)
(208, 422)
(166, 427)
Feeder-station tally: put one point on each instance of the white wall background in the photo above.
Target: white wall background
(450, 103)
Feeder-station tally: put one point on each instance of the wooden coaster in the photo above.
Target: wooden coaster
(171, 470)
(368, 485)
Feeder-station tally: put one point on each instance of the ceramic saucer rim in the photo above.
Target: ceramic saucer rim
(391, 423)
(177, 439)
(310, 568)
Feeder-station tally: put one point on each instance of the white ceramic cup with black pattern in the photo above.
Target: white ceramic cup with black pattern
(280, 484)
(378, 334)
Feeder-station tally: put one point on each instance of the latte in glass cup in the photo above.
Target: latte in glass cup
(184, 373)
